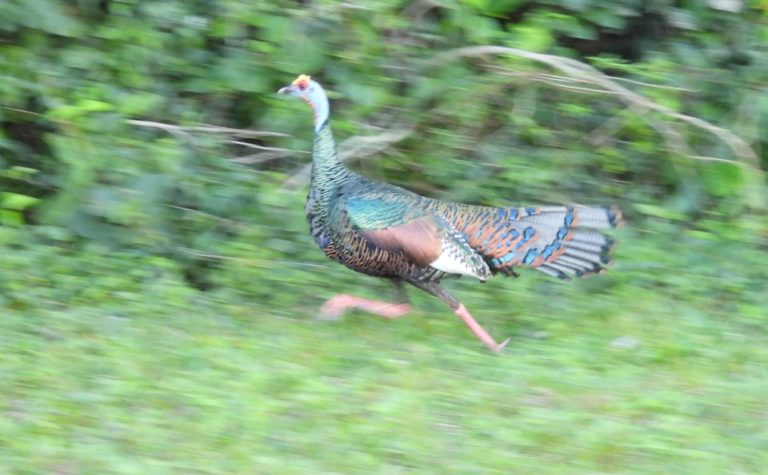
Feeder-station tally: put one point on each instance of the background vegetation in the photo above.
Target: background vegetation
(158, 285)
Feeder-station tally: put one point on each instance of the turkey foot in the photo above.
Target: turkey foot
(336, 306)
(479, 331)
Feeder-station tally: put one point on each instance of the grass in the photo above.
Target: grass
(110, 363)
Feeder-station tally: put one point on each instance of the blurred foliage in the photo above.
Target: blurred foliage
(145, 155)
(74, 73)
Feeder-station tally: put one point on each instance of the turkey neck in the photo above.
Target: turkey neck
(327, 170)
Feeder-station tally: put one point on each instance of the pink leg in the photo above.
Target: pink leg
(339, 304)
(478, 330)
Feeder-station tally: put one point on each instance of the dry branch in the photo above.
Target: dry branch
(267, 149)
(582, 71)
(207, 129)
(185, 133)
(746, 157)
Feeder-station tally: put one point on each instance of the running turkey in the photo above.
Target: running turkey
(383, 230)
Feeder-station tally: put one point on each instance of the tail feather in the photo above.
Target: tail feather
(554, 272)
(566, 271)
(599, 217)
(597, 258)
(561, 241)
(577, 263)
(585, 246)
(590, 236)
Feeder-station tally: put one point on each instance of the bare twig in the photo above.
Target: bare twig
(268, 154)
(249, 262)
(206, 129)
(227, 221)
(178, 132)
(556, 77)
(268, 149)
(185, 133)
(581, 90)
(23, 111)
(259, 158)
(717, 159)
(647, 84)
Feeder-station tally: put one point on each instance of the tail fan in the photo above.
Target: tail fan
(578, 248)
(560, 241)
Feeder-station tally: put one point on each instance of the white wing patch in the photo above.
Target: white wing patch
(453, 261)
(452, 265)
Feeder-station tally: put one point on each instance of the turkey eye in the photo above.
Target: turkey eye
(303, 86)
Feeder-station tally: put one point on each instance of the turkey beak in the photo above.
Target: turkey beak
(286, 90)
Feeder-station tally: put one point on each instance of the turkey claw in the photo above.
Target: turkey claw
(500, 346)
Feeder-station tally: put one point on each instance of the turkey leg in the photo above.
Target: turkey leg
(336, 306)
(461, 311)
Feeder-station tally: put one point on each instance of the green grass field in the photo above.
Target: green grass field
(110, 363)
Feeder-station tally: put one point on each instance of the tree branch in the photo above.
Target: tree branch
(206, 129)
(575, 69)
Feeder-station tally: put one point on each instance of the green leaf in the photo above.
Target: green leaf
(92, 105)
(11, 218)
(722, 179)
(533, 37)
(16, 201)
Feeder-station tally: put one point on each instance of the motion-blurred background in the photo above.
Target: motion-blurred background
(158, 286)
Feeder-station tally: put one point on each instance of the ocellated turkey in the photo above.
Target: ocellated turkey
(383, 230)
